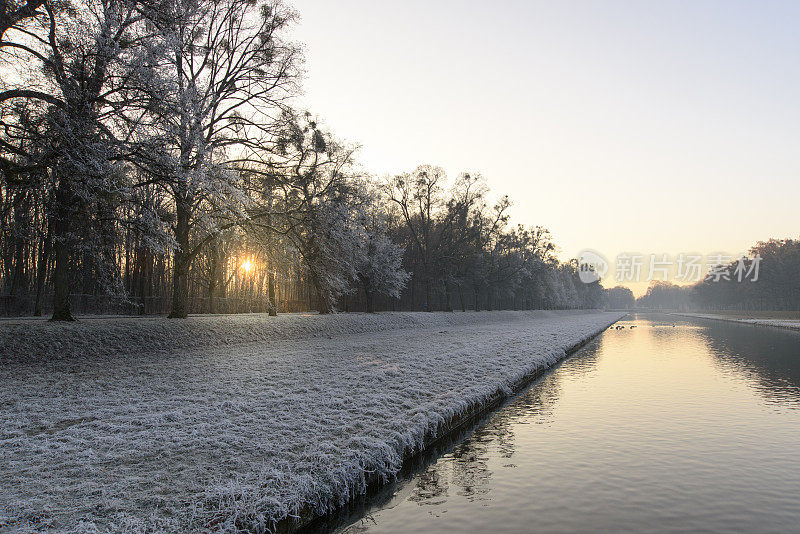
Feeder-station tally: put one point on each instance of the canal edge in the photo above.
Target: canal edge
(306, 519)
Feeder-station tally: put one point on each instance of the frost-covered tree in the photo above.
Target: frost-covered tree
(225, 71)
(12, 12)
(322, 202)
(619, 298)
(379, 260)
(147, 150)
(487, 228)
(380, 268)
(83, 53)
(419, 197)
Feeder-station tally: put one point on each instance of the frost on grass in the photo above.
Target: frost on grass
(237, 422)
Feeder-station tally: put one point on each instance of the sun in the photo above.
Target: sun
(247, 266)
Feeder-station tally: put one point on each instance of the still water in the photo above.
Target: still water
(692, 427)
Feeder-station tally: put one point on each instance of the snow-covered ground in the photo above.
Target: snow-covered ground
(781, 323)
(150, 424)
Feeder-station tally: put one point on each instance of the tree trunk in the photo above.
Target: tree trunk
(213, 276)
(427, 305)
(18, 277)
(370, 302)
(212, 291)
(369, 296)
(180, 273)
(41, 271)
(61, 308)
(180, 286)
(61, 227)
(323, 305)
(273, 309)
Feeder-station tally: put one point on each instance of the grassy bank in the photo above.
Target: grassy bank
(270, 420)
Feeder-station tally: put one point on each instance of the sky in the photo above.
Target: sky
(646, 127)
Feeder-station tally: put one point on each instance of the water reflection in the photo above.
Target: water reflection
(771, 362)
(648, 429)
(430, 488)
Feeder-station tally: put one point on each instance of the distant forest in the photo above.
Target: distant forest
(151, 161)
(777, 286)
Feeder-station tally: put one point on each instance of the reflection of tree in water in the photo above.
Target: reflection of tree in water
(536, 405)
(470, 466)
(467, 466)
(431, 487)
(766, 357)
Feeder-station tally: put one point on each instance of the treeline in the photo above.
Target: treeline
(619, 298)
(662, 295)
(151, 162)
(774, 285)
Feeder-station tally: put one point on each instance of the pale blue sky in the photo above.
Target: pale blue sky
(652, 127)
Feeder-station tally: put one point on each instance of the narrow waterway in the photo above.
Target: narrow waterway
(691, 427)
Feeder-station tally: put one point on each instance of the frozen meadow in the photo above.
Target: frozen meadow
(232, 422)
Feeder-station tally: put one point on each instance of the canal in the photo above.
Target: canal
(672, 425)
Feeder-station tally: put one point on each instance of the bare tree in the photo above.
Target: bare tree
(319, 199)
(419, 198)
(79, 51)
(12, 12)
(227, 73)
